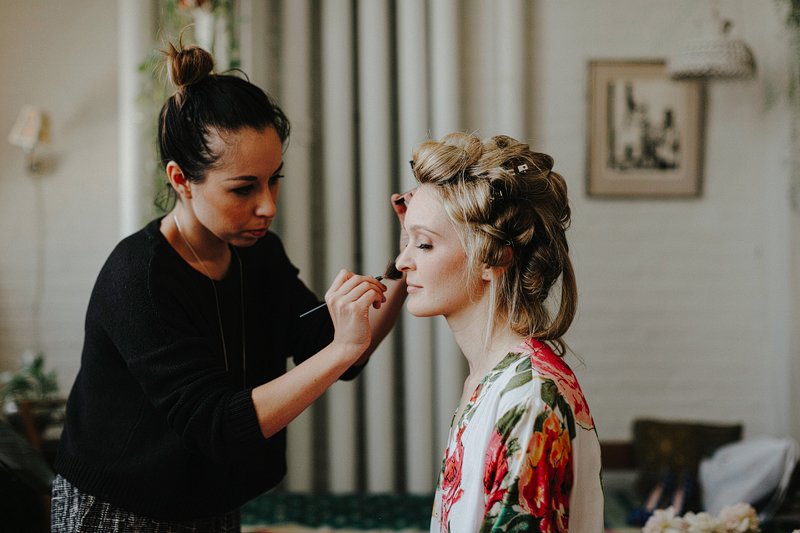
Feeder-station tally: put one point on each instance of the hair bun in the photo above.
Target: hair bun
(189, 65)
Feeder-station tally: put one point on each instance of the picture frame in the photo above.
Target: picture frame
(645, 131)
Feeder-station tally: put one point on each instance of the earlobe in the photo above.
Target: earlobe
(496, 271)
(487, 273)
(492, 272)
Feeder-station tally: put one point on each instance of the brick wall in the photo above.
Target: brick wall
(60, 56)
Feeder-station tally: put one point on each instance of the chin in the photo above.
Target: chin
(420, 310)
(243, 242)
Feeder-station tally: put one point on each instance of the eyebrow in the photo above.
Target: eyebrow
(417, 227)
(254, 178)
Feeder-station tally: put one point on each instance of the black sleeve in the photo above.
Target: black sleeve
(311, 333)
(314, 331)
(147, 312)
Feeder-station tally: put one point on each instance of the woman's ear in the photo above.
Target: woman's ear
(489, 272)
(178, 180)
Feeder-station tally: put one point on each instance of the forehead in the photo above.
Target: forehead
(426, 209)
(246, 149)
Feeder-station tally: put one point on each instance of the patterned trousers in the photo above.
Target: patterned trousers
(72, 511)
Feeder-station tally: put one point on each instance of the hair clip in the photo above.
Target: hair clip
(499, 192)
(521, 169)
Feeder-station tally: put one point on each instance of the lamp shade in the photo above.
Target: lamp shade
(715, 55)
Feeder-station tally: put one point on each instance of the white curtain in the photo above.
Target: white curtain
(363, 82)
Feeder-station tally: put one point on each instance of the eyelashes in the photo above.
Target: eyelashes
(243, 191)
(247, 189)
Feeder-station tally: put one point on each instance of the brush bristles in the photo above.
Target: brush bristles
(391, 271)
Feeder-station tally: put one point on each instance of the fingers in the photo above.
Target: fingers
(340, 279)
(349, 287)
(400, 202)
(369, 298)
(400, 206)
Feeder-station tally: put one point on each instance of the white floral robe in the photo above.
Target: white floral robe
(524, 455)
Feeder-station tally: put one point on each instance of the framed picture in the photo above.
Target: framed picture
(645, 131)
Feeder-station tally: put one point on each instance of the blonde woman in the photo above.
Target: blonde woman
(486, 248)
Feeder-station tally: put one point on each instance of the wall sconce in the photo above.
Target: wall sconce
(714, 55)
(31, 129)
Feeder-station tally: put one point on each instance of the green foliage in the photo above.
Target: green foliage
(176, 24)
(793, 16)
(30, 382)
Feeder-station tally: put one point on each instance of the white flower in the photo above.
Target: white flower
(702, 523)
(664, 521)
(739, 518)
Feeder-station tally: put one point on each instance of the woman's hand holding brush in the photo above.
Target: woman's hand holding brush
(390, 273)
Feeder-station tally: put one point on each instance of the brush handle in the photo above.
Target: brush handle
(320, 306)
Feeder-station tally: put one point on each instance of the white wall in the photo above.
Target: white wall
(686, 306)
(60, 56)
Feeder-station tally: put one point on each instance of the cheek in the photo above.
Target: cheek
(447, 279)
(451, 270)
(220, 210)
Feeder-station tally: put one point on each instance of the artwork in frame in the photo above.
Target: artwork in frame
(645, 131)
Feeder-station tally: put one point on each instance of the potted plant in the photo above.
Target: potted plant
(31, 396)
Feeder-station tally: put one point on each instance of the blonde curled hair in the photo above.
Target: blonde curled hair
(511, 211)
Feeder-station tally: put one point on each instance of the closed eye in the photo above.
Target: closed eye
(274, 179)
(423, 246)
(243, 191)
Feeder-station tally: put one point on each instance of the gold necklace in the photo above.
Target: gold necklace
(216, 301)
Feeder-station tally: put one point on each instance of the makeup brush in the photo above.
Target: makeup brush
(391, 272)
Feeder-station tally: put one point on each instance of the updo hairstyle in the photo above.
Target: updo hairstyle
(204, 103)
(510, 210)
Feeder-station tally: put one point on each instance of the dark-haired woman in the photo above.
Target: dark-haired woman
(486, 245)
(178, 411)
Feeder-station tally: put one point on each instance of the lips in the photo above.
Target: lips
(257, 232)
(411, 288)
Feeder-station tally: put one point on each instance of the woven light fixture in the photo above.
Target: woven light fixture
(715, 55)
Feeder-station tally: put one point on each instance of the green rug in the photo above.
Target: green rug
(355, 511)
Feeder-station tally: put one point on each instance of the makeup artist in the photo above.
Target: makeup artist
(178, 413)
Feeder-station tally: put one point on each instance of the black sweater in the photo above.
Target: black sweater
(155, 424)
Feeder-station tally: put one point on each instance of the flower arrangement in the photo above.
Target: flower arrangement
(738, 518)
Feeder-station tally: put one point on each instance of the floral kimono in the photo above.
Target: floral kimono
(524, 455)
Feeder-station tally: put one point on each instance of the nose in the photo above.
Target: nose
(403, 261)
(266, 206)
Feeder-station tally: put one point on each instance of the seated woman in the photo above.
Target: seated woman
(486, 230)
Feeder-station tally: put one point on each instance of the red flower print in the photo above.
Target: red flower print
(451, 479)
(549, 365)
(476, 393)
(545, 482)
(494, 470)
(552, 426)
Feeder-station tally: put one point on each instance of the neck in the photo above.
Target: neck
(469, 329)
(203, 250)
